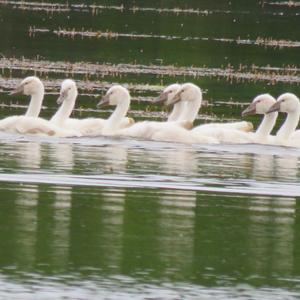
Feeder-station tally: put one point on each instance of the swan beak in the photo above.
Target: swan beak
(61, 98)
(250, 110)
(274, 107)
(175, 99)
(163, 97)
(19, 90)
(104, 101)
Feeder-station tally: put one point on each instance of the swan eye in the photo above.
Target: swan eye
(170, 92)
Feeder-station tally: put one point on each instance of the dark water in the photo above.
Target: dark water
(107, 218)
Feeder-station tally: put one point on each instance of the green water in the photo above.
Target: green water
(110, 218)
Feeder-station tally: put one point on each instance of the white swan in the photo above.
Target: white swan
(179, 107)
(31, 86)
(287, 134)
(186, 108)
(159, 131)
(117, 96)
(88, 126)
(192, 95)
(166, 96)
(28, 123)
(261, 105)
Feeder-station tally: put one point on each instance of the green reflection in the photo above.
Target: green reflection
(149, 235)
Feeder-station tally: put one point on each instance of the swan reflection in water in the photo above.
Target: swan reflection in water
(115, 160)
(176, 213)
(28, 158)
(104, 218)
(271, 231)
(61, 159)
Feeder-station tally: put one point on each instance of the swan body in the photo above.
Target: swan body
(287, 135)
(240, 125)
(166, 132)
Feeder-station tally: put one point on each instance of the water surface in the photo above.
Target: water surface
(111, 218)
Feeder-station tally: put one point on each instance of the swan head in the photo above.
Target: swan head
(260, 105)
(29, 86)
(287, 103)
(68, 91)
(168, 94)
(187, 92)
(116, 95)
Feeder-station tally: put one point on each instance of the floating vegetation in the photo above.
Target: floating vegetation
(72, 33)
(97, 34)
(269, 42)
(95, 9)
(253, 73)
(285, 3)
(261, 41)
(90, 88)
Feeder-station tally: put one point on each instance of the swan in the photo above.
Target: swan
(175, 116)
(29, 122)
(182, 110)
(88, 126)
(187, 110)
(30, 86)
(192, 94)
(159, 131)
(119, 97)
(166, 96)
(287, 135)
(261, 104)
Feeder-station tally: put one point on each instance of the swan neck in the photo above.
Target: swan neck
(178, 109)
(64, 111)
(115, 120)
(267, 124)
(289, 126)
(191, 110)
(35, 105)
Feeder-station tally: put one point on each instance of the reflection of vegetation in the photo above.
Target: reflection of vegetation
(148, 234)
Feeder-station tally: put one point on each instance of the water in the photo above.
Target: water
(111, 218)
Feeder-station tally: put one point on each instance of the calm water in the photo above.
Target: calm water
(103, 218)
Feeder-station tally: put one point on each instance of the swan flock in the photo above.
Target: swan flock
(185, 101)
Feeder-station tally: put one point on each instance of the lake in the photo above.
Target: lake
(117, 218)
